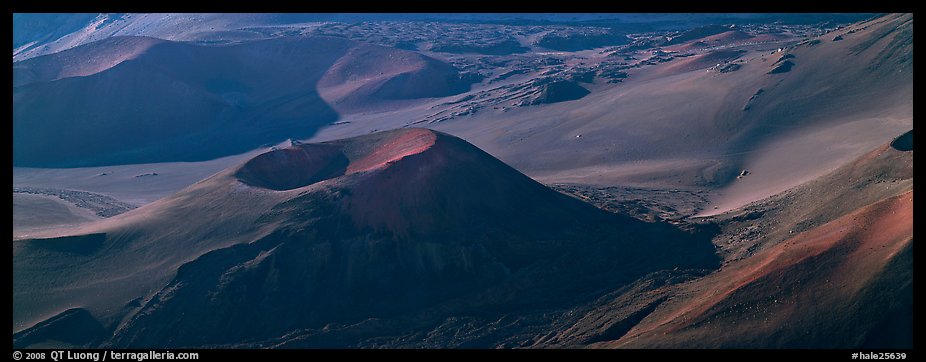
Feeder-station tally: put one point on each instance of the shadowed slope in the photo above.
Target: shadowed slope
(375, 226)
(81, 61)
(155, 100)
(368, 75)
(828, 265)
(829, 287)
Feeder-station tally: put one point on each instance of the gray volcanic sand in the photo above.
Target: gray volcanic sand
(35, 212)
(796, 175)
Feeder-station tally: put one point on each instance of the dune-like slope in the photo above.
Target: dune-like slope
(825, 265)
(683, 124)
(391, 224)
(416, 238)
(82, 61)
(850, 95)
(833, 286)
(155, 101)
(366, 75)
(699, 33)
(42, 34)
(724, 39)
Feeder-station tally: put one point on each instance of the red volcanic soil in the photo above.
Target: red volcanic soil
(827, 264)
(306, 164)
(391, 149)
(828, 287)
(823, 265)
(378, 226)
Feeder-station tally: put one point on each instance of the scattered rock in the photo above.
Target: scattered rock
(752, 99)
(731, 67)
(613, 75)
(554, 91)
(784, 58)
(784, 67)
(581, 39)
(583, 75)
(509, 74)
(102, 205)
(503, 47)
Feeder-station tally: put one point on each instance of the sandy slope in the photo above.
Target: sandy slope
(826, 264)
(832, 286)
(670, 125)
(296, 238)
(79, 29)
(81, 61)
(823, 259)
(196, 102)
(136, 184)
(41, 34)
(669, 129)
(35, 212)
(681, 124)
(830, 114)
